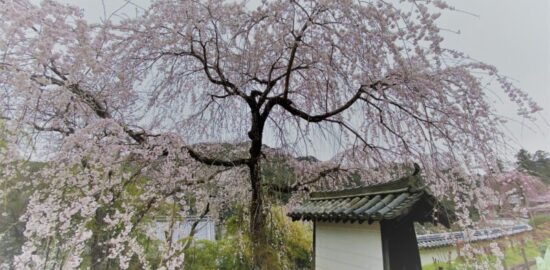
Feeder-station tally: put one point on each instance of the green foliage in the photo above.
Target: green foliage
(232, 251)
(514, 257)
(11, 229)
(222, 254)
(539, 219)
(279, 174)
(290, 248)
(537, 164)
(14, 204)
(292, 240)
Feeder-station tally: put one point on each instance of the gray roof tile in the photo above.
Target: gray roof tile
(407, 196)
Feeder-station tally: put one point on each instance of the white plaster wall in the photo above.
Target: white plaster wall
(341, 246)
(205, 229)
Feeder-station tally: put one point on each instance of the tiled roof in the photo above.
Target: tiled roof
(406, 197)
(450, 238)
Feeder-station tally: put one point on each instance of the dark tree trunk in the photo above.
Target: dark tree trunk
(257, 228)
(257, 221)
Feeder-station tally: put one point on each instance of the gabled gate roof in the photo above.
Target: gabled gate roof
(404, 198)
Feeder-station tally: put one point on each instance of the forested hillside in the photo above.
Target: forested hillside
(537, 164)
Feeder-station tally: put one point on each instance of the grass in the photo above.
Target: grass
(512, 257)
(539, 219)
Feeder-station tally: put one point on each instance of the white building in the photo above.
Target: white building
(205, 229)
(371, 227)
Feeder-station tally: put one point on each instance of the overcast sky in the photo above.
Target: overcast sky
(512, 35)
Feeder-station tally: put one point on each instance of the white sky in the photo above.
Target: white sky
(512, 35)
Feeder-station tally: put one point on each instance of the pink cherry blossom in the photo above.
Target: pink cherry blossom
(131, 113)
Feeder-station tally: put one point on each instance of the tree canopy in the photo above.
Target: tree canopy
(120, 106)
(537, 164)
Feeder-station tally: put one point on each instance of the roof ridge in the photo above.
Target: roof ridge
(407, 196)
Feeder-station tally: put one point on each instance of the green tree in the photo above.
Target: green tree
(537, 164)
(290, 246)
(17, 191)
